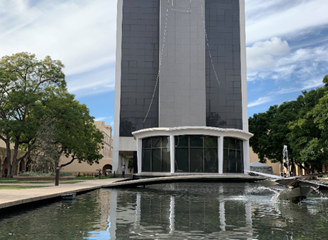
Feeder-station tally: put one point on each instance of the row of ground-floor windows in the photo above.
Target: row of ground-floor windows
(192, 154)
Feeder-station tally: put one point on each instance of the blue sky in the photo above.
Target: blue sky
(287, 46)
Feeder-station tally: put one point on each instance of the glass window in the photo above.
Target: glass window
(146, 160)
(240, 164)
(181, 141)
(196, 160)
(156, 154)
(166, 143)
(181, 160)
(211, 160)
(226, 161)
(196, 153)
(196, 141)
(146, 143)
(166, 163)
(232, 143)
(210, 141)
(156, 142)
(233, 161)
(156, 160)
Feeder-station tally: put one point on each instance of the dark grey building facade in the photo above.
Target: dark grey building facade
(181, 69)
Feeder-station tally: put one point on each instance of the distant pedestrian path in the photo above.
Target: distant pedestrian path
(185, 178)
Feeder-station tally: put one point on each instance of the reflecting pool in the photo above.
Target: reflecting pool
(172, 211)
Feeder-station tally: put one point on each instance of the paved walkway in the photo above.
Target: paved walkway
(10, 198)
(187, 178)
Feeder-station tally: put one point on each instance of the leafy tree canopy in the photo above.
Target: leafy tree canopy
(33, 92)
(301, 124)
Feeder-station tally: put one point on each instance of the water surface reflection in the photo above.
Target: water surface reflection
(172, 211)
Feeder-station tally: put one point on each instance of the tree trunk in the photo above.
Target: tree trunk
(15, 160)
(8, 158)
(302, 167)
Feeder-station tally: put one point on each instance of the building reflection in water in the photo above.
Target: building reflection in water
(147, 214)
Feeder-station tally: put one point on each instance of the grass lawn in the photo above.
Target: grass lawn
(91, 178)
(69, 182)
(14, 181)
(16, 187)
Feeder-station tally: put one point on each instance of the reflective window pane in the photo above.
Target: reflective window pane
(225, 142)
(156, 160)
(181, 141)
(226, 161)
(166, 165)
(196, 160)
(210, 141)
(166, 142)
(181, 160)
(146, 143)
(240, 162)
(146, 160)
(156, 142)
(211, 160)
(231, 143)
(196, 141)
(240, 144)
(232, 161)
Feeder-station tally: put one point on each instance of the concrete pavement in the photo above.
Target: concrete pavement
(10, 198)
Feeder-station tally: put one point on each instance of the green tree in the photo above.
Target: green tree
(45, 154)
(300, 124)
(76, 136)
(306, 137)
(24, 82)
(270, 131)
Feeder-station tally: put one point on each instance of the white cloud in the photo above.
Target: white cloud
(261, 54)
(80, 33)
(260, 101)
(100, 119)
(313, 83)
(91, 83)
(265, 63)
(265, 19)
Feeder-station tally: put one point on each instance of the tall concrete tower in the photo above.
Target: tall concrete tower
(181, 94)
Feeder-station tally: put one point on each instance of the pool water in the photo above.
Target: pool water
(172, 211)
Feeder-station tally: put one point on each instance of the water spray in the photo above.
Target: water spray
(285, 157)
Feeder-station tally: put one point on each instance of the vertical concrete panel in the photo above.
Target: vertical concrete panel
(182, 93)
(118, 73)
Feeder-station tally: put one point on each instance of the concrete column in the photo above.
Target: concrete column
(220, 154)
(172, 153)
(139, 154)
(246, 156)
